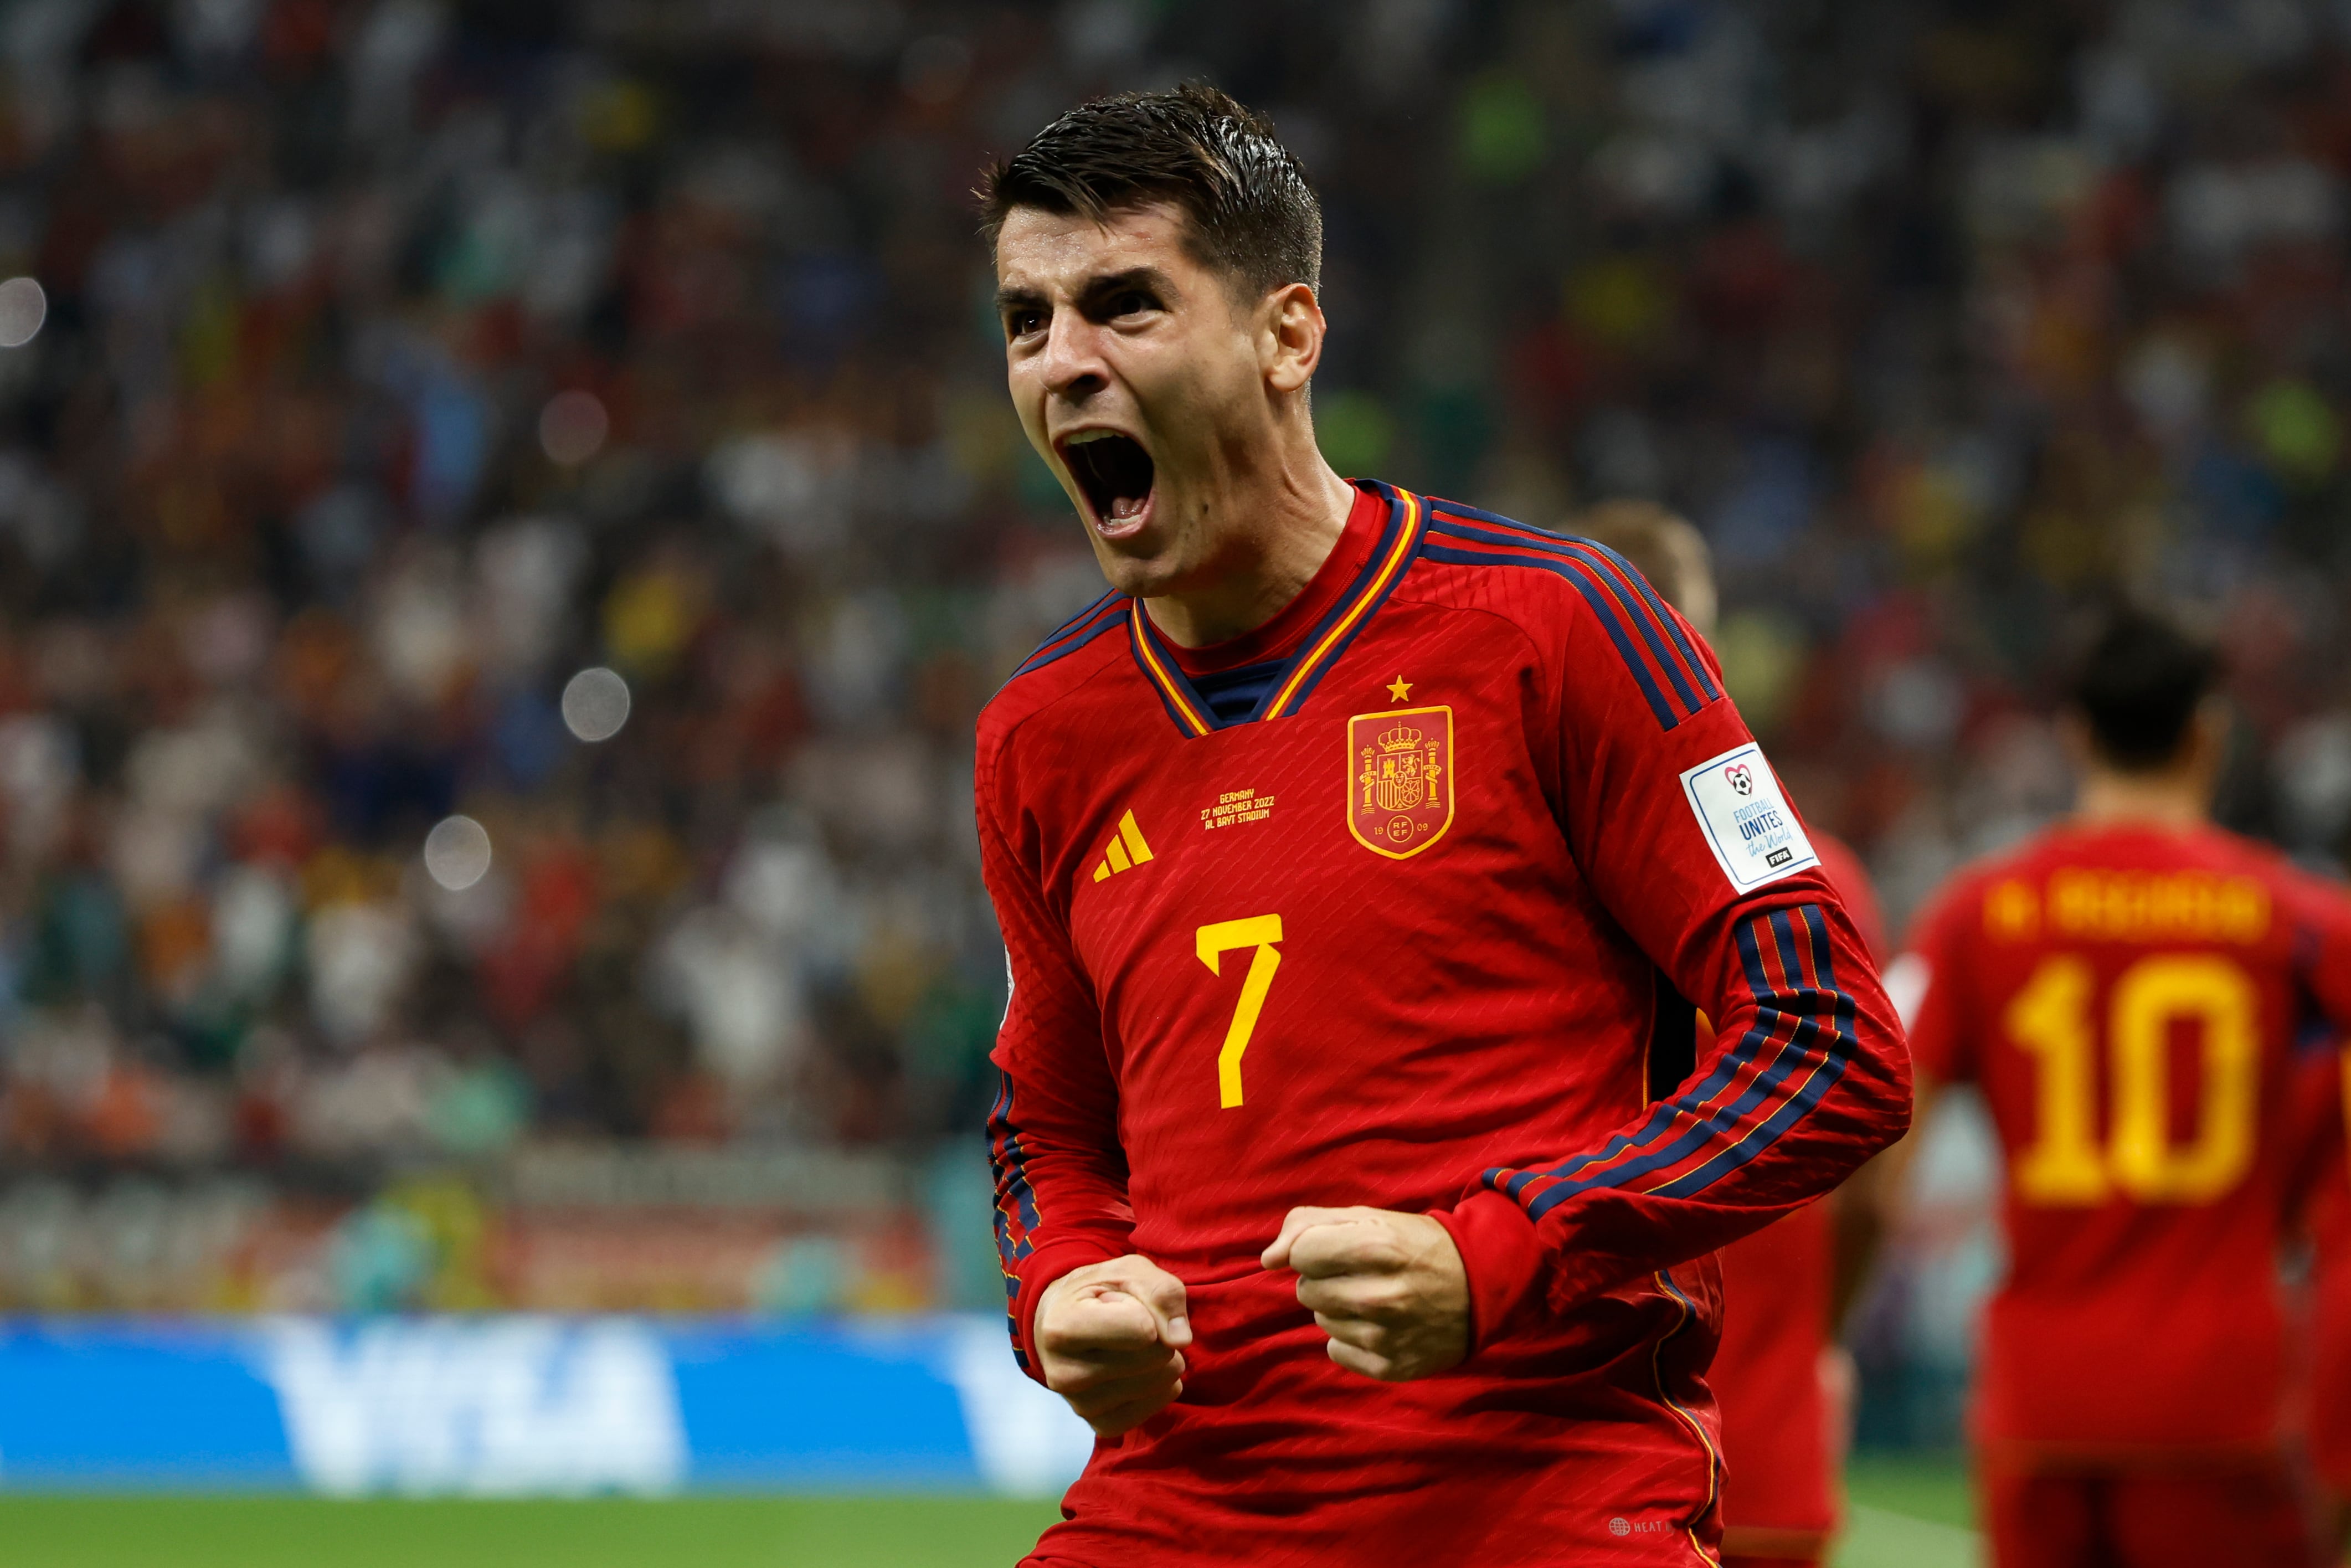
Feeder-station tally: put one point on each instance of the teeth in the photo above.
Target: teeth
(1084, 436)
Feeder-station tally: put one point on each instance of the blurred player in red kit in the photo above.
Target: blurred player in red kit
(1784, 1385)
(2128, 989)
(2330, 1374)
(1346, 855)
(2326, 1186)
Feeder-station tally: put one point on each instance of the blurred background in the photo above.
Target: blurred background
(508, 511)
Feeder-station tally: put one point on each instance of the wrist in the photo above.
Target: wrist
(1040, 1273)
(1042, 1317)
(1502, 1256)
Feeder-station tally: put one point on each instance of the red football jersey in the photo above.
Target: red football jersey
(1403, 932)
(2324, 1185)
(1782, 1433)
(2129, 997)
(2330, 1371)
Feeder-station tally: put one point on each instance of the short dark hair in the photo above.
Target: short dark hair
(1253, 212)
(2138, 688)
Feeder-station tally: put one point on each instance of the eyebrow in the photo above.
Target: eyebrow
(1150, 277)
(1147, 278)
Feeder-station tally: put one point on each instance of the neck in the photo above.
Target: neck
(1281, 523)
(2172, 798)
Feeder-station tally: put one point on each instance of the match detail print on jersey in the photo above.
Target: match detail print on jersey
(1402, 776)
(1747, 823)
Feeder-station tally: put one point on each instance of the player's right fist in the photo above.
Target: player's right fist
(1111, 1337)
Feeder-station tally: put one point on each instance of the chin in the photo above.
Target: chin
(1138, 575)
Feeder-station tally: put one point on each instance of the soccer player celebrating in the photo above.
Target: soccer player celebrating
(2127, 990)
(1784, 1385)
(1347, 854)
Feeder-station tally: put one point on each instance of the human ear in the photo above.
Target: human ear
(1290, 336)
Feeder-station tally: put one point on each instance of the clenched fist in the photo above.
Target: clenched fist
(1110, 1340)
(1389, 1288)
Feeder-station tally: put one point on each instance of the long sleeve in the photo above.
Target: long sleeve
(1052, 1132)
(1681, 829)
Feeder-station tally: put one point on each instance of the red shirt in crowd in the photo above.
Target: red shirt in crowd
(1397, 915)
(2129, 998)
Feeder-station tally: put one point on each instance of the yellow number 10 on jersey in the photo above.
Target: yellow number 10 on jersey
(2051, 1021)
(1260, 932)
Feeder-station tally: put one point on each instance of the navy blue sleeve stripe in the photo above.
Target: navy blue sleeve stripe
(1632, 574)
(1015, 1201)
(1580, 577)
(1639, 604)
(1809, 1003)
(1097, 618)
(1710, 1124)
(1546, 538)
(1803, 1036)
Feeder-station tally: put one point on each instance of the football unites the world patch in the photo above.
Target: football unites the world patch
(1746, 821)
(1402, 774)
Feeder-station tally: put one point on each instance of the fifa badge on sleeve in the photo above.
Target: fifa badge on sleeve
(1746, 821)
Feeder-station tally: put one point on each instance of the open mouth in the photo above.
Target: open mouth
(1115, 473)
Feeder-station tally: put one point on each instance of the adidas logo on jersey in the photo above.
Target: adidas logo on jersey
(1126, 849)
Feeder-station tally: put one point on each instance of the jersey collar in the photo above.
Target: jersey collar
(1399, 541)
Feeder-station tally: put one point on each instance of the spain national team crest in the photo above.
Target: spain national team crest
(1401, 778)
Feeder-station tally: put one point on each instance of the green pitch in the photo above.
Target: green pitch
(1906, 1516)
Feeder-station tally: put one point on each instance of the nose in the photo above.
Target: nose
(1071, 363)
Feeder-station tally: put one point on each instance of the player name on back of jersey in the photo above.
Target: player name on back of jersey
(2102, 905)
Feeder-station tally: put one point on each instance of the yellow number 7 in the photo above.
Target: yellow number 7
(1260, 932)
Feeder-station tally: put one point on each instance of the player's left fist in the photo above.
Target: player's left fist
(1389, 1288)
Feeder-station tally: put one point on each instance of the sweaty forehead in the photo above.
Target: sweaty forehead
(1058, 253)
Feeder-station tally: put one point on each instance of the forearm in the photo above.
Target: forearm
(1807, 1078)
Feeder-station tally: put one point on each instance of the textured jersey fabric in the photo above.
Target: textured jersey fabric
(2131, 999)
(1399, 937)
(1781, 1430)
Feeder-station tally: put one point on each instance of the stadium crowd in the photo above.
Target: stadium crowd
(401, 361)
